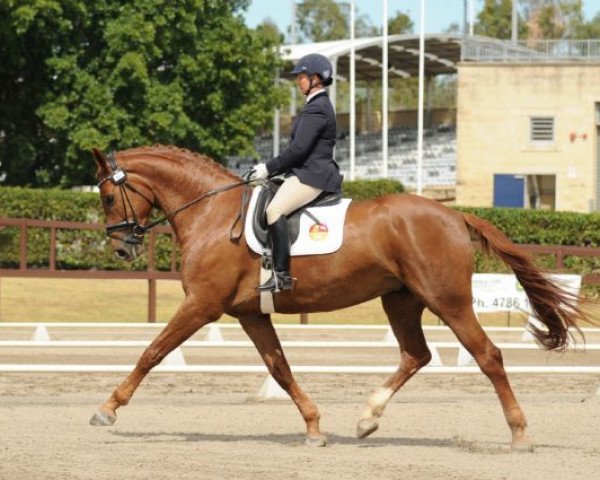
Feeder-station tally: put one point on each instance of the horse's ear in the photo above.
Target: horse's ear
(100, 160)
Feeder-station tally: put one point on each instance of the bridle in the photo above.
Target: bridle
(118, 177)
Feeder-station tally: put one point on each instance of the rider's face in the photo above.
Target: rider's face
(303, 83)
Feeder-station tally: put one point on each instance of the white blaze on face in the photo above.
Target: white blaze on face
(377, 403)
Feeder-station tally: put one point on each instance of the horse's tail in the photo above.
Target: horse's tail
(554, 306)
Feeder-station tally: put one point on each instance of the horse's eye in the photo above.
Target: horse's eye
(109, 200)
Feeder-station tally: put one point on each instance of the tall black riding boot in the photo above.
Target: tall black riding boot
(280, 241)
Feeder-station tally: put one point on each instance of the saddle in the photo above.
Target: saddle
(259, 220)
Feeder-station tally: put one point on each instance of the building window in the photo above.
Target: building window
(542, 129)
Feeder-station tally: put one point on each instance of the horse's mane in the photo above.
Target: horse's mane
(195, 163)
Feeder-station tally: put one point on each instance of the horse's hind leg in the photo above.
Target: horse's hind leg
(467, 329)
(261, 332)
(404, 312)
(188, 319)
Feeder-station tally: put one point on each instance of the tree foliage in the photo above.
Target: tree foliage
(495, 20)
(78, 74)
(400, 23)
(324, 20)
(554, 19)
(538, 19)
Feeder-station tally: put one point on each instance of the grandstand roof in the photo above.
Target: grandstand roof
(442, 53)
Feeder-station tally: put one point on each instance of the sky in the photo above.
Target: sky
(439, 14)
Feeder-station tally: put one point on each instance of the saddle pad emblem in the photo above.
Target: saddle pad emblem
(318, 232)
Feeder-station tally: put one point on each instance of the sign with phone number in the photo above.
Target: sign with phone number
(495, 292)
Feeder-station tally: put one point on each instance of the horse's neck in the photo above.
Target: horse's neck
(179, 181)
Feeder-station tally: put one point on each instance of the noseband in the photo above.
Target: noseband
(118, 177)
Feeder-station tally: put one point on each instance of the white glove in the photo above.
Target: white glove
(259, 172)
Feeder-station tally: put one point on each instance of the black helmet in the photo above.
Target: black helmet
(315, 63)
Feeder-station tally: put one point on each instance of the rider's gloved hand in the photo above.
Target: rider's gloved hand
(259, 172)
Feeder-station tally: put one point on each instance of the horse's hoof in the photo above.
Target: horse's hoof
(366, 428)
(101, 419)
(522, 447)
(319, 441)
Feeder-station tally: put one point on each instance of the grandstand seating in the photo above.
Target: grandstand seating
(439, 156)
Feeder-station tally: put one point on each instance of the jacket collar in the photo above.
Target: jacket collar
(317, 95)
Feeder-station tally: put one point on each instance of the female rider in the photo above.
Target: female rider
(307, 164)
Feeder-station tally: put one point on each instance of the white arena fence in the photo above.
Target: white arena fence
(214, 339)
(175, 362)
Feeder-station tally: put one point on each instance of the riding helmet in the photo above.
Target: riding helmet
(315, 63)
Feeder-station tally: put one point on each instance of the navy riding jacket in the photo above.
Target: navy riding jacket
(310, 153)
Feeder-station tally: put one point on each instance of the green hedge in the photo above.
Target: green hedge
(543, 227)
(90, 249)
(81, 249)
(50, 204)
(364, 189)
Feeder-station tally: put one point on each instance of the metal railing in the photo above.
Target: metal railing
(535, 51)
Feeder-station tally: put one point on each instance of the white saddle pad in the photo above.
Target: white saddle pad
(312, 239)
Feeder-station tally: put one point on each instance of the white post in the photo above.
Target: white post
(472, 18)
(293, 42)
(421, 95)
(515, 22)
(276, 133)
(352, 93)
(333, 88)
(384, 93)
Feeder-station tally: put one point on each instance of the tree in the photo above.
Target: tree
(321, 20)
(30, 33)
(588, 30)
(268, 29)
(554, 19)
(400, 23)
(495, 20)
(324, 20)
(127, 73)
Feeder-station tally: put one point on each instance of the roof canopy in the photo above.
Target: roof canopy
(442, 53)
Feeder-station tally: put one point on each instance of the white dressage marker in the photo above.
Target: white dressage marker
(174, 359)
(214, 333)
(464, 357)
(271, 389)
(40, 334)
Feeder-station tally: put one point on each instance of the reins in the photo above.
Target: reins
(118, 177)
(144, 228)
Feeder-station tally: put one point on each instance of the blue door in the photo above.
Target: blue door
(509, 190)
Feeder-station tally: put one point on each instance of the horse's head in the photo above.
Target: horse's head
(127, 204)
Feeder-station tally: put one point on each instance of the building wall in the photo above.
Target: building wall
(495, 103)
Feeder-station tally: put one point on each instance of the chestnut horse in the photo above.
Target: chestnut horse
(412, 252)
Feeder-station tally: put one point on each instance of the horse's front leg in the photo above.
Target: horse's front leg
(261, 332)
(190, 316)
